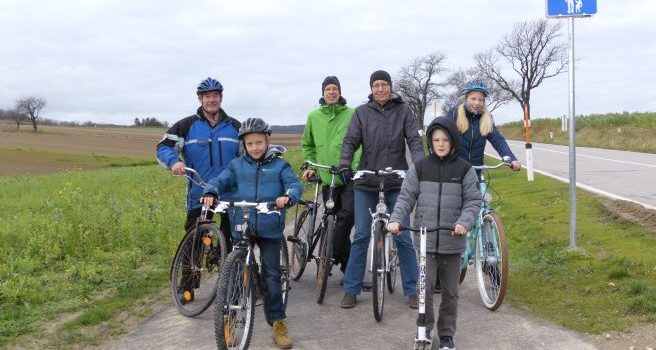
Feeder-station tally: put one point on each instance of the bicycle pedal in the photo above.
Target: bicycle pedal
(293, 239)
(367, 287)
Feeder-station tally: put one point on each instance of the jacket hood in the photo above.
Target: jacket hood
(341, 102)
(449, 126)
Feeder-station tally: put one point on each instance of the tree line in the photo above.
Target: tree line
(516, 65)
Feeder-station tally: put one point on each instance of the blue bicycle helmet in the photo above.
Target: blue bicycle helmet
(475, 86)
(208, 85)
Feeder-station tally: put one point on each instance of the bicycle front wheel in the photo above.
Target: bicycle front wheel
(393, 264)
(195, 269)
(300, 244)
(492, 262)
(378, 271)
(325, 257)
(234, 304)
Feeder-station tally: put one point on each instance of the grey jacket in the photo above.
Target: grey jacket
(445, 192)
(383, 133)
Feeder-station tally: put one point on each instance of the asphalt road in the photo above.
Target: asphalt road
(618, 174)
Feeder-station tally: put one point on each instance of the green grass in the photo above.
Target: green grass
(83, 242)
(608, 283)
(623, 131)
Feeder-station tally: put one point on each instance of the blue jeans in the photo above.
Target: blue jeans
(270, 260)
(358, 258)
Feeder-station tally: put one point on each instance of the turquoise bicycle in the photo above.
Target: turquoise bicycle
(487, 248)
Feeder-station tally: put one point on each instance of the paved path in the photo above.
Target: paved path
(327, 326)
(618, 174)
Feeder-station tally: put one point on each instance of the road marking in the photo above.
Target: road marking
(584, 186)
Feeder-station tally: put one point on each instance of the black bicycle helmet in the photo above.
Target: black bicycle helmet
(207, 85)
(252, 125)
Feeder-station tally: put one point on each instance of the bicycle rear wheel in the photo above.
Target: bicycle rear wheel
(235, 304)
(393, 264)
(325, 257)
(492, 262)
(300, 242)
(378, 271)
(195, 269)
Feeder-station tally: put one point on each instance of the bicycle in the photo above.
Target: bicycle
(422, 341)
(239, 283)
(487, 248)
(305, 239)
(197, 261)
(384, 254)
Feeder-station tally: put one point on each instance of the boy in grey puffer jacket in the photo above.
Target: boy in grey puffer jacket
(445, 191)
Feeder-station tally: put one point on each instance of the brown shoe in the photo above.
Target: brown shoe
(349, 301)
(413, 302)
(281, 335)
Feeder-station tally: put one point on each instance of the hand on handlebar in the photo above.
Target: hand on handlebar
(394, 228)
(345, 174)
(208, 200)
(282, 201)
(459, 230)
(307, 174)
(178, 168)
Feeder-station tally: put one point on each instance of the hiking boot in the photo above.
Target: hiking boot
(349, 301)
(446, 343)
(281, 335)
(227, 331)
(412, 302)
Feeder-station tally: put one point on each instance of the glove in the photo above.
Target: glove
(345, 174)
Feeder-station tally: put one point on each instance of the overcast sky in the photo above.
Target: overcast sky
(112, 61)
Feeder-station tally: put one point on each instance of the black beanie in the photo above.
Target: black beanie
(331, 79)
(380, 75)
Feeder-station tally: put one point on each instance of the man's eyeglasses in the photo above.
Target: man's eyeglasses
(382, 85)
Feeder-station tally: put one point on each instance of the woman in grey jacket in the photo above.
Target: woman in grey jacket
(445, 191)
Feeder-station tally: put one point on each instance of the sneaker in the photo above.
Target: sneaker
(349, 301)
(446, 343)
(412, 302)
(281, 335)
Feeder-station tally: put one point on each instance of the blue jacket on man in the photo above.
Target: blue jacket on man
(206, 149)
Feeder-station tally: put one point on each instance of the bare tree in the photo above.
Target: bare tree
(417, 83)
(533, 53)
(15, 116)
(457, 80)
(31, 106)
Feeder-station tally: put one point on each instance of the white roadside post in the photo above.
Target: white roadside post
(570, 9)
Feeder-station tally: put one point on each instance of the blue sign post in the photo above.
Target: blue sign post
(571, 8)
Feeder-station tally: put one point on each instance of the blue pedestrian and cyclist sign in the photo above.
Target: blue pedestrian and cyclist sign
(571, 8)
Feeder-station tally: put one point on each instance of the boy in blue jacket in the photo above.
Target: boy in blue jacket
(262, 175)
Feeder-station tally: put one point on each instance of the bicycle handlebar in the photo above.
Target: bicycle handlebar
(505, 161)
(430, 230)
(329, 168)
(261, 207)
(388, 171)
(194, 177)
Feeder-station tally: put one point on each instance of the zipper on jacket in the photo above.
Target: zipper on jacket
(257, 198)
(220, 153)
(471, 138)
(211, 157)
(439, 205)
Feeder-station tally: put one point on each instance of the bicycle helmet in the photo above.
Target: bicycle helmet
(252, 125)
(208, 85)
(475, 86)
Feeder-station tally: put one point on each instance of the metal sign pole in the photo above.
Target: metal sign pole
(572, 141)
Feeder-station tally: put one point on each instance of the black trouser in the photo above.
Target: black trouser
(343, 198)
